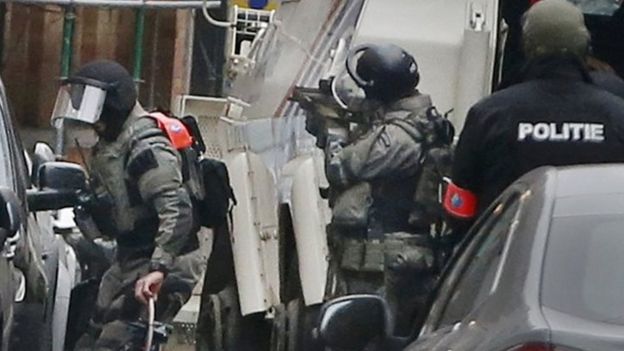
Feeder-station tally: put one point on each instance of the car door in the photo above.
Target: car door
(31, 318)
(470, 279)
(7, 285)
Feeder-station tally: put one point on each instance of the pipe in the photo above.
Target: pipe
(139, 29)
(171, 4)
(68, 39)
(151, 313)
(153, 63)
(213, 21)
(69, 22)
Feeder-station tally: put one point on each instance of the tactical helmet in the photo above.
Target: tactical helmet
(385, 72)
(555, 27)
(121, 94)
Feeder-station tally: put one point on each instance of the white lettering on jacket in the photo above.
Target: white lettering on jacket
(582, 132)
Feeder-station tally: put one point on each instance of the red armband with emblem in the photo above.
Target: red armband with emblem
(460, 202)
(174, 129)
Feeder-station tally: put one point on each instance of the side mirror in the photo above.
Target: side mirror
(59, 185)
(353, 322)
(10, 214)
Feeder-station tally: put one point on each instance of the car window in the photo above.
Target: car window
(470, 281)
(597, 7)
(581, 271)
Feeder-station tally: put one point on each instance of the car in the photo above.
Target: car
(33, 260)
(540, 270)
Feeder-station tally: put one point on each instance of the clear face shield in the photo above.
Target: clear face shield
(346, 91)
(79, 101)
(78, 107)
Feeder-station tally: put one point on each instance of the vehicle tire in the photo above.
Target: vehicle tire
(302, 320)
(28, 326)
(228, 330)
(279, 337)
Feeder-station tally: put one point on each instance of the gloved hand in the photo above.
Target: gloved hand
(148, 286)
(315, 125)
(85, 223)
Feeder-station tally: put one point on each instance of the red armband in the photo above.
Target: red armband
(460, 202)
(174, 129)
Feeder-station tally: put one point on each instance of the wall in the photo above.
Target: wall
(32, 52)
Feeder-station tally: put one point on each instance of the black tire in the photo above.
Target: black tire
(28, 326)
(83, 298)
(227, 330)
(302, 320)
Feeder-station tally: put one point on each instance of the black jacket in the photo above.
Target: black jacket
(555, 117)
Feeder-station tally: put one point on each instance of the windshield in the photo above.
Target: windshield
(597, 7)
(582, 274)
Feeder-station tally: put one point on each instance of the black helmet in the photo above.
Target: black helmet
(385, 72)
(121, 94)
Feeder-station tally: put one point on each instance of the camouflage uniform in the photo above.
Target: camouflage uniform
(145, 208)
(380, 249)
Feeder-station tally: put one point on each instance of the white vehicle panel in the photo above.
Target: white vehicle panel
(254, 234)
(310, 214)
(434, 32)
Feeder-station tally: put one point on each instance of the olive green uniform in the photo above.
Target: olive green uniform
(375, 248)
(144, 206)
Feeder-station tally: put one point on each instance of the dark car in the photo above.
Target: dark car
(30, 254)
(541, 270)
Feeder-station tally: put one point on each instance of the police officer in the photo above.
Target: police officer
(375, 246)
(139, 200)
(556, 116)
(602, 63)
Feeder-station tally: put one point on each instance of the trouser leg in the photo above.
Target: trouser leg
(408, 279)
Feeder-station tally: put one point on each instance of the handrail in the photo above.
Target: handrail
(171, 4)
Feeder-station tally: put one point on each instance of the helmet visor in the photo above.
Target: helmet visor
(346, 91)
(79, 102)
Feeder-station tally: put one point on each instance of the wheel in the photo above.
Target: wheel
(302, 320)
(225, 329)
(279, 337)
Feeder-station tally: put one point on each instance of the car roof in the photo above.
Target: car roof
(582, 190)
(589, 179)
(577, 181)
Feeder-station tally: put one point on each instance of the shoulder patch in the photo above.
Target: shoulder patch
(141, 163)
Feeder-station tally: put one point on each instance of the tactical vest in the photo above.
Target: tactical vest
(119, 212)
(207, 180)
(435, 134)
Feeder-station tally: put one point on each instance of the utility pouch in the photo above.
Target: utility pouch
(363, 255)
(351, 207)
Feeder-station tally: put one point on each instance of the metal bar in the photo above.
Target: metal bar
(153, 63)
(69, 22)
(68, 38)
(172, 4)
(139, 29)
